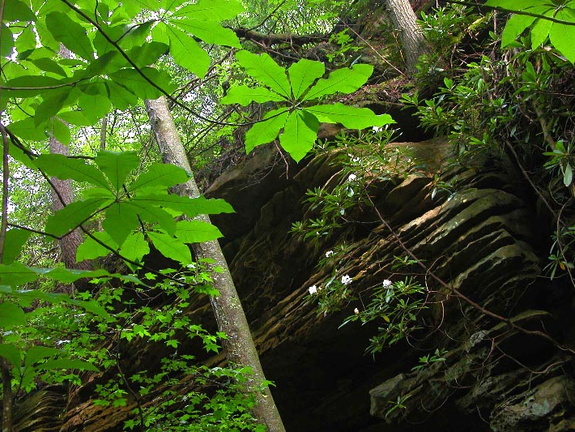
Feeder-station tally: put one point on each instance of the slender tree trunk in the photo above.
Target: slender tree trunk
(227, 308)
(411, 38)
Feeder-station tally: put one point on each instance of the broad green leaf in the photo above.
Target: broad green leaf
(94, 307)
(69, 168)
(211, 10)
(51, 105)
(562, 35)
(147, 53)
(121, 97)
(154, 215)
(94, 107)
(17, 10)
(245, 95)
(29, 85)
(27, 129)
(49, 65)
(266, 130)
(344, 80)
(70, 275)
(12, 354)
(209, 31)
(67, 364)
(117, 166)
(350, 117)
(36, 353)
(264, 69)
(135, 83)
(160, 176)
(71, 34)
(196, 231)
(514, 27)
(189, 206)
(16, 274)
(135, 247)
(539, 32)
(121, 220)
(26, 41)
(13, 243)
(300, 133)
(187, 53)
(11, 315)
(73, 215)
(59, 130)
(91, 249)
(76, 118)
(7, 41)
(567, 175)
(171, 248)
(135, 35)
(303, 74)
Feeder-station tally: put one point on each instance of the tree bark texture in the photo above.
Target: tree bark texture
(411, 38)
(230, 316)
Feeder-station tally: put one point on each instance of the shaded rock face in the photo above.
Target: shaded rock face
(481, 263)
(479, 241)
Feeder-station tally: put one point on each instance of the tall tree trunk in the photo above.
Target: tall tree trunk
(411, 38)
(227, 308)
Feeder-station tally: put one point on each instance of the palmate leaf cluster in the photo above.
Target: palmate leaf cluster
(552, 20)
(295, 89)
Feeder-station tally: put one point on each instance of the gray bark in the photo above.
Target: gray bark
(411, 38)
(230, 316)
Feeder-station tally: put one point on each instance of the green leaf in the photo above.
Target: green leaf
(121, 220)
(13, 243)
(117, 166)
(147, 53)
(17, 10)
(344, 80)
(121, 97)
(567, 175)
(96, 308)
(59, 131)
(29, 85)
(71, 34)
(7, 41)
(303, 74)
(70, 168)
(35, 354)
(561, 36)
(16, 274)
(12, 354)
(73, 215)
(266, 130)
(159, 176)
(154, 215)
(514, 27)
(349, 117)
(91, 249)
(27, 129)
(245, 95)
(209, 31)
(11, 315)
(94, 107)
(300, 133)
(190, 206)
(187, 53)
(264, 69)
(135, 83)
(49, 65)
(540, 32)
(211, 10)
(196, 231)
(51, 105)
(67, 364)
(171, 247)
(135, 247)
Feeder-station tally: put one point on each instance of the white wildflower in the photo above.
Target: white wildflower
(356, 311)
(346, 280)
(312, 290)
(352, 177)
(377, 128)
(328, 253)
(387, 283)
